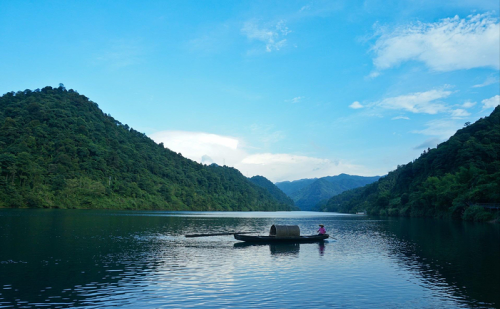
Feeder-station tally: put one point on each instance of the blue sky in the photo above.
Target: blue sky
(283, 89)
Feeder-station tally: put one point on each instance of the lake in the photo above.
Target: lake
(140, 259)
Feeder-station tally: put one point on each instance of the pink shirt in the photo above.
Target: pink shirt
(322, 230)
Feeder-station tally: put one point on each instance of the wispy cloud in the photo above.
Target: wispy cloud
(491, 102)
(400, 117)
(273, 36)
(459, 113)
(419, 102)
(468, 104)
(296, 99)
(356, 105)
(373, 74)
(443, 128)
(489, 81)
(449, 44)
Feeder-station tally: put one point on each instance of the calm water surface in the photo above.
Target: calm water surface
(99, 259)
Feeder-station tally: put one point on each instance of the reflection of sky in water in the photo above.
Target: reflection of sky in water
(131, 260)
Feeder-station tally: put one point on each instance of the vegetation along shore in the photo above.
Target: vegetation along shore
(59, 150)
(460, 179)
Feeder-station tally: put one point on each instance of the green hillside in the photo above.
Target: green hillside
(307, 193)
(273, 190)
(455, 179)
(59, 150)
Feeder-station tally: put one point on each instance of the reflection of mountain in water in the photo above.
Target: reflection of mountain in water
(108, 258)
(88, 251)
(453, 254)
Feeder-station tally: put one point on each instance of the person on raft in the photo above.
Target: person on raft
(321, 230)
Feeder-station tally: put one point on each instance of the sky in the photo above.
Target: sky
(283, 89)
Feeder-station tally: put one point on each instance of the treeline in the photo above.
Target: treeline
(455, 179)
(59, 150)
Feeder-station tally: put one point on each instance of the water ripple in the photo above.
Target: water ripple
(144, 261)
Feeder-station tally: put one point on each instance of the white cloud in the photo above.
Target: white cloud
(468, 104)
(459, 113)
(199, 146)
(269, 158)
(272, 37)
(373, 74)
(450, 44)
(225, 150)
(281, 167)
(442, 128)
(356, 105)
(419, 102)
(489, 81)
(491, 102)
(295, 100)
(400, 117)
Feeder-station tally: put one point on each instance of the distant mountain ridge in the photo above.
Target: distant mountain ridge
(307, 193)
(290, 187)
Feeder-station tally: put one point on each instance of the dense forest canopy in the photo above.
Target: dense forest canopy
(59, 150)
(459, 178)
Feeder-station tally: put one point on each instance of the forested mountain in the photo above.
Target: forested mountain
(307, 193)
(450, 180)
(308, 197)
(290, 187)
(59, 150)
(273, 190)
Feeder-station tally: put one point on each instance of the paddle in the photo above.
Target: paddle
(216, 234)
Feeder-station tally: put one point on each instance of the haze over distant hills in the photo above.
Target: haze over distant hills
(307, 193)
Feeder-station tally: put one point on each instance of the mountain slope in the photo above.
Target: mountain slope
(58, 149)
(290, 187)
(351, 181)
(309, 192)
(450, 180)
(319, 190)
(272, 189)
